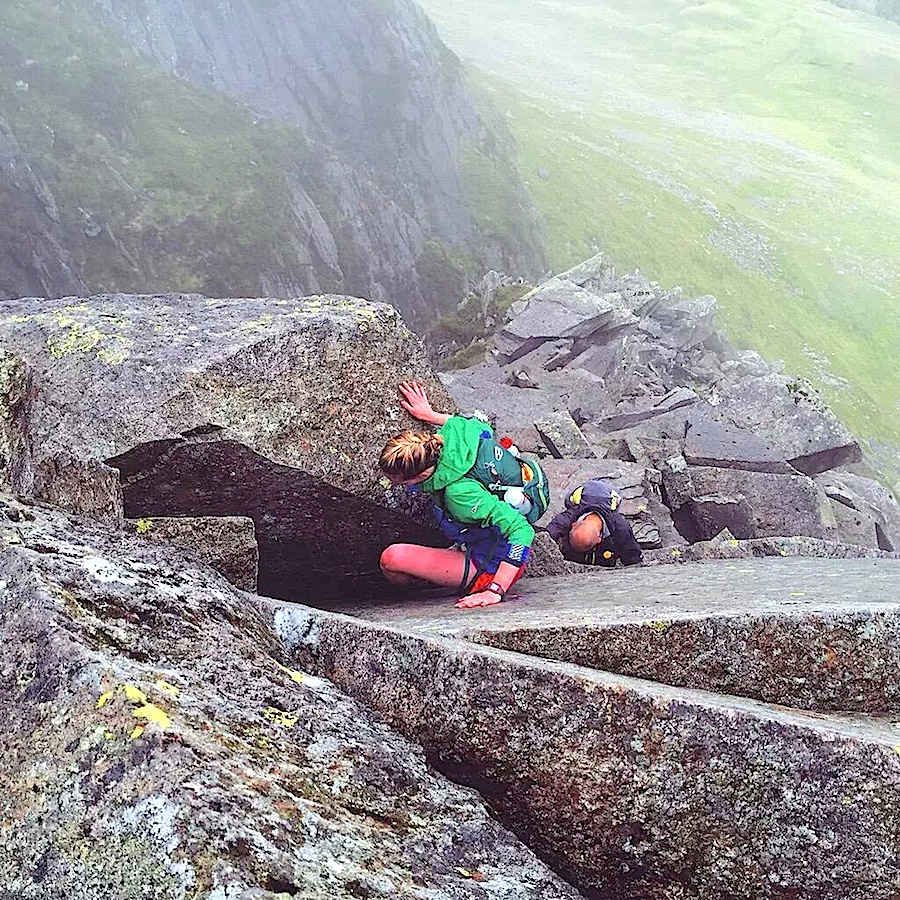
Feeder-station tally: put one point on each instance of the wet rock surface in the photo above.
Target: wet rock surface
(154, 743)
(634, 789)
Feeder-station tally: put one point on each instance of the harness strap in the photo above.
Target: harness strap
(466, 583)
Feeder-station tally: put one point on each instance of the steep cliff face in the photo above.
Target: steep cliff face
(886, 9)
(358, 162)
(33, 256)
(370, 79)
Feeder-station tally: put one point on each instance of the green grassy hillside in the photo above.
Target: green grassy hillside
(746, 149)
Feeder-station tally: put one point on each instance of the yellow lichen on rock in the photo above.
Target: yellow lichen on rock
(75, 339)
(104, 699)
(134, 694)
(146, 712)
(153, 713)
(279, 717)
(166, 688)
(73, 333)
(291, 673)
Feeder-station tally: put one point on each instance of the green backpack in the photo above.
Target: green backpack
(498, 469)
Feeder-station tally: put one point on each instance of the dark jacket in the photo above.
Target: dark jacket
(618, 541)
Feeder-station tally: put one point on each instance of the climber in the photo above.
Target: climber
(591, 530)
(495, 536)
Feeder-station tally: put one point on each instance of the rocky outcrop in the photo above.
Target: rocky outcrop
(167, 734)
(593, 364)
(155, 743)
(179, 405)
(865, 511)
(773, 505)
(634, 788)
(385, 179)
(34, 256)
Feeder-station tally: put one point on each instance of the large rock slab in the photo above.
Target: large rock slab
(712, 443)
(805, 632)
(154, 744)
(297, 380)
(180, 405)
(790, 417)
(637, 789)
(559, 308)
(511, 410)
(648, 408)
(563, 438)
(725, 546)
(871, 500)
(780, 505)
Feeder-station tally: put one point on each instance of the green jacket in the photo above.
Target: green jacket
(466, 500)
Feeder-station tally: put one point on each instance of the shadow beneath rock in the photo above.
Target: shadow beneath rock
(317, 543)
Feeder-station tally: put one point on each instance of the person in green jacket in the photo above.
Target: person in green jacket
(495, 537)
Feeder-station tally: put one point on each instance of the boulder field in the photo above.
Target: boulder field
(609, 369)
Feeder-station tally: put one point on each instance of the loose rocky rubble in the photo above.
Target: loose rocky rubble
(618, 369)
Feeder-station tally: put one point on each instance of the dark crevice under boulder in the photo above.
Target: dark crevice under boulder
(316, 542)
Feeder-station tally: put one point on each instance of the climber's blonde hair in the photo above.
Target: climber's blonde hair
(410, 453)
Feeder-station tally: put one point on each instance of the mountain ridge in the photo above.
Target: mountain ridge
(169, 171)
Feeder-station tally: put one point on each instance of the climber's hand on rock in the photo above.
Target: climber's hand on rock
(415, 401)
(482, 598)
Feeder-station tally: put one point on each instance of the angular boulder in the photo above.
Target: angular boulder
(181, 405)
(790, 417)
(648, 408)
(639, 789)
(713, 513)
(868, 498)
(155, 743)
(712, 443)
(559, 308)
(778, 505)
(686, 323)
(563, 438)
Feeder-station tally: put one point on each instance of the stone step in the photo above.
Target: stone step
(635, 788)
